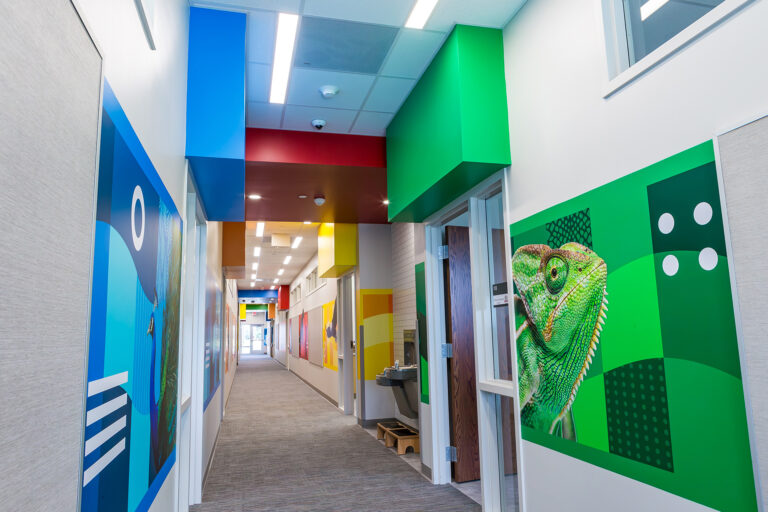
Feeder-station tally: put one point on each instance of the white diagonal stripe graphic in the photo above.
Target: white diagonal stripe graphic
(103, 436)
(97, 467)
(101, 385)
(99, 412)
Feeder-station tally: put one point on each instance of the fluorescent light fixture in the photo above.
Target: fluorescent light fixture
(650, 7)
(287, 25)
(255, 197)
(307, 222)
(280, 272)
(259, 229)
(296, 242)
(255, 266)
(273, 287)
(276, 281)
(287, 260)
(256, 252)
(253, 277)
(253, 284)
(420, 13)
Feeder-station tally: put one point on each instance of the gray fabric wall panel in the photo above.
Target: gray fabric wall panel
(315, 339)
(744, 161)
(49, 92)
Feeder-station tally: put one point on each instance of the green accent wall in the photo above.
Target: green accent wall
(453, 130)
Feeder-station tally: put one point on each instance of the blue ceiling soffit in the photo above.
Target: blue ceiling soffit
(257, 294)
(343, 45)
(216, 111)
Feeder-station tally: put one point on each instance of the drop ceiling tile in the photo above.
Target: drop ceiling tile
(412, 53)
(262, 26)
(264, 115)
(389, 12)
(388, 94)
(304, 88)
(372, 123)
(338, 45)
(291, 6)
(258, 80)
(485, 13)
(300, 118)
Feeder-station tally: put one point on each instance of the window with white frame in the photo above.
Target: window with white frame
(312, 282)
(296, 294)
(641, 33)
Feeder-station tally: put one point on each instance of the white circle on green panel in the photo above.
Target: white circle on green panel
(666, 223)
(708, 258)
(670, 265)
(702, 214)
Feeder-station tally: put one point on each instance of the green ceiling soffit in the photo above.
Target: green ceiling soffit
(453, 130)
(256, 307)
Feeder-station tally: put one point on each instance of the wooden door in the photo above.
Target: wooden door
(461, 367)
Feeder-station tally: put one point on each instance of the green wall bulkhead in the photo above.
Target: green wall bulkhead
(453, 130)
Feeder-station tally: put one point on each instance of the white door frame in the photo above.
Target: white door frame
(345, 335)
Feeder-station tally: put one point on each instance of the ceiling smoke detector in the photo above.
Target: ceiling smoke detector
(319, 199)
(329, 91)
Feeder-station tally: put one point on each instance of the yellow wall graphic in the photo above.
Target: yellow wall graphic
(330, 346)
(375, 315)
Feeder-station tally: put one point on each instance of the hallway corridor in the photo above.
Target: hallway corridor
(284, 447)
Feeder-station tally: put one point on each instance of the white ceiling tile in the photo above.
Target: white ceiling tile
(389, 12)
(262, 26)
(258, 80)
(291, 6)
(300, 118)
(304, 88)
(388, 94)
(481, 13)
(412, 52)
(372, 123)
(264, 115)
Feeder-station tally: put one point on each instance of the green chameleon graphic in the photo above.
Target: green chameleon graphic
(560, 307)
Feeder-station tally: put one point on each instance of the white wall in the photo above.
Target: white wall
(566, 139)
(281, 333)
(150, 85)
(324, 379)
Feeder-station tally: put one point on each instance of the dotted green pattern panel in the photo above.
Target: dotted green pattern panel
(670, 324)
(638, 415)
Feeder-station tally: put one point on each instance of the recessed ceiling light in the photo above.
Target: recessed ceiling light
(280, 272)
(255, 266)
(257, 252)
(302, 196)
(287, 260)
(255, 197)
(650, 7)
(386, 201)
(420, 13)
(276, 281)
(259, 229)
(307, 222)
(284, 44)
(297, 242)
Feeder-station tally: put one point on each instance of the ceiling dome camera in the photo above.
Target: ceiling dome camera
(319, 124)
(319, 199)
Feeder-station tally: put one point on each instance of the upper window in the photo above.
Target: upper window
(642, 33)
(651, 23)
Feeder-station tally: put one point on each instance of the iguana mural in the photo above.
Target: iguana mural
(560, 309)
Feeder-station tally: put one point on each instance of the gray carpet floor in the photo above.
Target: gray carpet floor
(282, 447)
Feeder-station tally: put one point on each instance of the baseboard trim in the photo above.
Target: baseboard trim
(426, 471)
(210, 460)
(334, 402)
